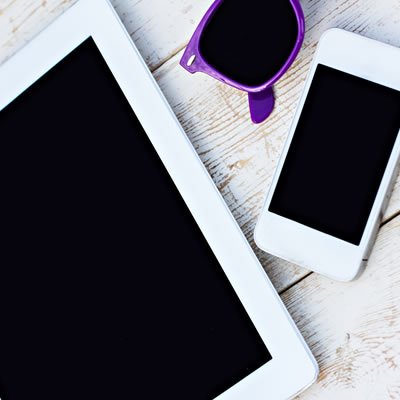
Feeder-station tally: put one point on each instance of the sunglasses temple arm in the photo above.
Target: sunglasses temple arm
(261, 105)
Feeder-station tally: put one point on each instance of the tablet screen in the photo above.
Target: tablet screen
(108, 290)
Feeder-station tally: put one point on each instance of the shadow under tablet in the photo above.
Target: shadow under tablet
(108, 290)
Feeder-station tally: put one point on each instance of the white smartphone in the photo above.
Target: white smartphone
(340, 160)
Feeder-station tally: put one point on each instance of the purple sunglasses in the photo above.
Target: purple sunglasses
(261, 97)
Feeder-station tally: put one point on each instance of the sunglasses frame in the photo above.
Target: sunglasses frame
(261, 97)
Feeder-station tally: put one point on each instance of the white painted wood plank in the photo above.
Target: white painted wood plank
(160, 28)
(20, 20)
(242, 157)
(353, 329)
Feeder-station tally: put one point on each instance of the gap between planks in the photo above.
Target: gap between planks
(302, 278)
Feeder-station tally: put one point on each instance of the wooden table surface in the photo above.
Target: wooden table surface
(353, 329)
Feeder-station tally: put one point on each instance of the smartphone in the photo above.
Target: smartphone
(339, 163)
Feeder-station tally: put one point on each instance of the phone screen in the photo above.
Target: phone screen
(338, 154)
(108, 289)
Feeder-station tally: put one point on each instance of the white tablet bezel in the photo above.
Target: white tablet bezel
(292, 367)
(323, 253)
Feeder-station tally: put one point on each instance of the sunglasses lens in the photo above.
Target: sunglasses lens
(249, 41)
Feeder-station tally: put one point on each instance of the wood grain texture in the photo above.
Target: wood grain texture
(21, 20)
(160, 28)
(353, 329)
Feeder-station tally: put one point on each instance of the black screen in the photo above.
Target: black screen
(250, 41)
(108, 290)
(338, 155)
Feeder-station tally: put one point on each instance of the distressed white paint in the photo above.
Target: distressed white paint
(241, 158)
(353, 329)
(160, 28)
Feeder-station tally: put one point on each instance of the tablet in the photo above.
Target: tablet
(123, 273)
